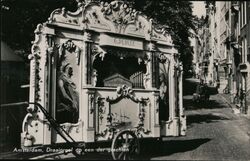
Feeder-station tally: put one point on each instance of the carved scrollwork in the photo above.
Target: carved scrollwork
(91, 103)
(119, 13)
(147, 76)
(109, 119)
(141, 116)
(35, 58)
(30, 117)
(80, 3)
(157, 104)
(141, 130)
(101, 107)
(98, 51)
(151, 46)
(38, 31)
(94, 77)
(71, 47)
(162, 58)
(125, 92)
(87, 36)
(68, 126)
(63, 16)
(108, 133)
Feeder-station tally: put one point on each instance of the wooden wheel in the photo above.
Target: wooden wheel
(125, 146)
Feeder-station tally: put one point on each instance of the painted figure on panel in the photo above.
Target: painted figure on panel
(68, 98)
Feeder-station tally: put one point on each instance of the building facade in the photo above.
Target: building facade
(225, 47)
(244, 43)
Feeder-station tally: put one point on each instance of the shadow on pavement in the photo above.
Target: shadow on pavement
(165, 148)
(211, 104)
(189, 87)
(154, 148)
(203, 118)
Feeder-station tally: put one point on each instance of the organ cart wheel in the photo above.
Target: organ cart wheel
(125, 145)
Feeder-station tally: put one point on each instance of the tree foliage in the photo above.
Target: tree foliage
(20, 17)
(178, 20)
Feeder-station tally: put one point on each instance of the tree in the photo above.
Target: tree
(20, 18)
(176, 17)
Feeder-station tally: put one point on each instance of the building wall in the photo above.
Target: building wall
(244, 41)
(228, 40)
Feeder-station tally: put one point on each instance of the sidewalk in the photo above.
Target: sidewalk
(226, 98)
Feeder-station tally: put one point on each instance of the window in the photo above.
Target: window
(238, 26)
(244, 50)
(245, 9)
(243, 13)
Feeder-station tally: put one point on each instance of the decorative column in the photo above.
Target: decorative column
(171, 90)
(87, 96)
(50, 86)
(90, 122)
(154, 65)
(183, 126)
(156, 127)
(180, 89)
(87, 62)
(38, 91)
(149, 78)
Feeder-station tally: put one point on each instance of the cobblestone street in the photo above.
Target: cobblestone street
(214, 133)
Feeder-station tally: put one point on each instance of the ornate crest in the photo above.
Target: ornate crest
(126, 92)
(72, 48)
(119, 13)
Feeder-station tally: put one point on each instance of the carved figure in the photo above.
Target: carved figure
(68, 97)
(94, 78)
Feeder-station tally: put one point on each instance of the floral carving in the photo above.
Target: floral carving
(68, 126)
(119, 13)
(64, 16)
(101, 107)
(125, 92)
(163, 58)
(141, 116)
(71, 47)
(91, 103)
(98, 51)
(108, 133)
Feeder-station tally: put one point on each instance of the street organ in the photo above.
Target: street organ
(101, 72)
